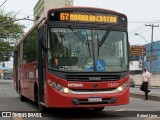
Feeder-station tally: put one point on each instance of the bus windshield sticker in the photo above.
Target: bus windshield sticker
(90, 61)
(57, 30)
(70, 68)
(88, 68)
(100, 65)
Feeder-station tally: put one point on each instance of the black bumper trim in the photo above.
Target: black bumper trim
(86, 102)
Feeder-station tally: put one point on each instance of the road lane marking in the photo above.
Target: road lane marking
(128, 109)
(148, 119)
(152, 118)
(121, 110)
(17, 118)
(138, 109)
(145, 100)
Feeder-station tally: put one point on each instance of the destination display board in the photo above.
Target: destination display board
(92, 17)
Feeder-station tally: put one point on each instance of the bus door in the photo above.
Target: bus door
(41, 61)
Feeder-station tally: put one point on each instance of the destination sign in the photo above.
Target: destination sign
(88, 17)
(84, 17)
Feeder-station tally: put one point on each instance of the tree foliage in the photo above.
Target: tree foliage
(10, 33)
(5, 51)
(9, 28)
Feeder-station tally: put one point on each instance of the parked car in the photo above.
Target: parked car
(7, 77)
(132, 83)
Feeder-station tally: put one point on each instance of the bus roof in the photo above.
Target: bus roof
(79, 8)
(85, 9)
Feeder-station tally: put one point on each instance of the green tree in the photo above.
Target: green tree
(10, 32)
(5, 51)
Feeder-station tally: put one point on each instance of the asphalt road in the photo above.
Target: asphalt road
(138, 109)
(154, 90)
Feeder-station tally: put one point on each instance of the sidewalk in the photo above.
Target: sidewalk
(154, 95)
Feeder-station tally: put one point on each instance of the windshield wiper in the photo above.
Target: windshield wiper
(98, 42)
(104, 37)
(72, 27)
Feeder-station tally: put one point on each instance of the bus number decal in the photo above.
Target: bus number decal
(64, 16)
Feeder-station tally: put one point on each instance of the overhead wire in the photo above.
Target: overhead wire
(137, 29)
(23, 14)
(145, 30)
(140, 32)
(141, 27)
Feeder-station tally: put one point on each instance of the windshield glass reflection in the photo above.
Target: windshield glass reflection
(87, 50)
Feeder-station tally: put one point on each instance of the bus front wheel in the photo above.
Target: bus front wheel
(37, 101)
(41, 107)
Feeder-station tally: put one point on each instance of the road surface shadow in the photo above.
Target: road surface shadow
(72, 113)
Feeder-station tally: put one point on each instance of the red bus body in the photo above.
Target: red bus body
(85, 94)
(63, 100)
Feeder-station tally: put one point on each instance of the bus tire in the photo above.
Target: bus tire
(21, 97)
(99, 109)
(37, 100)
(41, 108)
(35, 94)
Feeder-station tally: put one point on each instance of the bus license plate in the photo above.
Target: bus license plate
(94, 99)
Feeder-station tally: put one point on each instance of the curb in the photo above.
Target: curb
(153, 87)
(140, 96)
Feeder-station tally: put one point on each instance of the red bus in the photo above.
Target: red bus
(75, 57)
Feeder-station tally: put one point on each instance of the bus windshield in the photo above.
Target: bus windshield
(87, 50)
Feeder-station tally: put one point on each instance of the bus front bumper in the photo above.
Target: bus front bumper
(57, 99)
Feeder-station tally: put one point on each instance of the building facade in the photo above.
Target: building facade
(136, 64)
(155, 59)
(43, 5)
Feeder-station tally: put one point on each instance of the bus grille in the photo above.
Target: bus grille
(92, 77)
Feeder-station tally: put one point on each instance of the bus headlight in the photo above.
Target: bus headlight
(58, 87)
(66, 90)
(122, 87)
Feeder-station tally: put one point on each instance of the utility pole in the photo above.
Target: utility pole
(151, 46)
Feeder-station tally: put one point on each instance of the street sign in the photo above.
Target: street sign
(137, 50)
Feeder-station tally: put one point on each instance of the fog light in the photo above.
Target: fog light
(66, 90)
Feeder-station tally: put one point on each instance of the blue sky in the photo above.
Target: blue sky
(139, 13)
